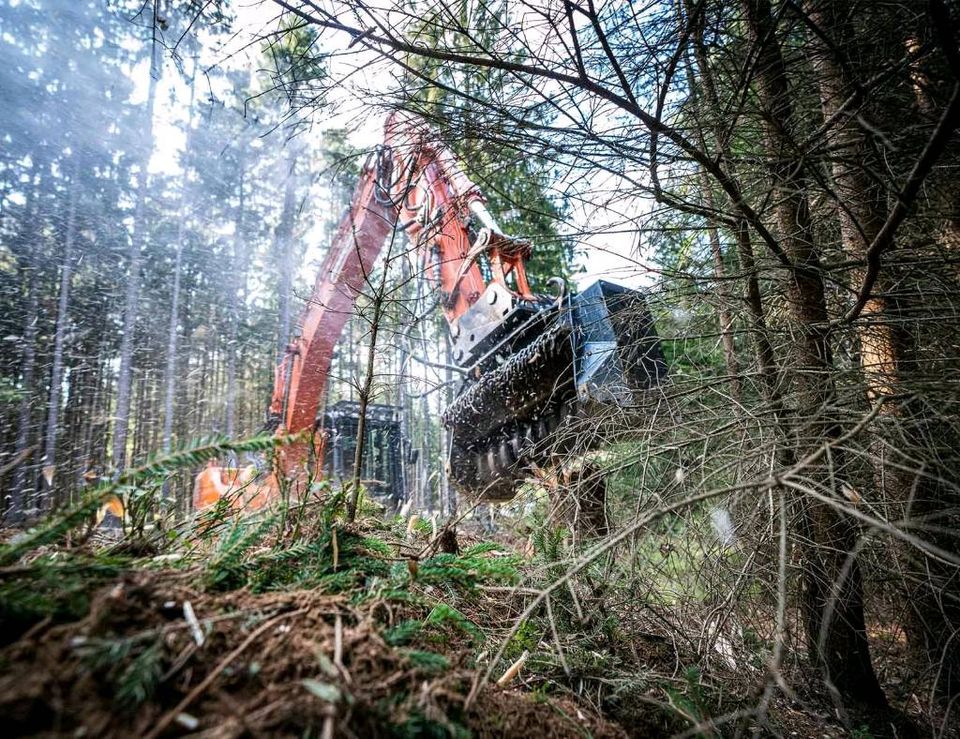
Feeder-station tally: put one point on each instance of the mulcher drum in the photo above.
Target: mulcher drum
(596, 348)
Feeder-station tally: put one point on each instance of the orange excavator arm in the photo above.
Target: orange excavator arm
(414, 184)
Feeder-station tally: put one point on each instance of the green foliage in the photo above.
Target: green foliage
(230, 566)
(298, 65)
(403, 633)
(548, 542)
(9, 392)
(525, 640)
(428, 662)
(53, 586)
(444, 615)
(244, 559)
(418, 726)
(469, 569)
(518, 185)
(131, 666)
(131, 484)
(689, 703)
(138, 680)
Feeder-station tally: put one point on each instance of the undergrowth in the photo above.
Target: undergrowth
(430, 614)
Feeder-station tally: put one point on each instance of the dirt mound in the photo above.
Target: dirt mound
(157, 656)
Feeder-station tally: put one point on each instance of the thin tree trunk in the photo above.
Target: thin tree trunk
(78, 408)
(723, 310)
(139, 404)
(449, 494)
(93, 452)
(713, 112)
(832, 582)
(170, 375)
(365, 393)
(402, 395)
(132, 301)
(719, 268)
(285, 250)
(56, 372)
(233, 303)
(20, 489)
(426, 494)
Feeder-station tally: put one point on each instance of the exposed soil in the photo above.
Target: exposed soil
(269, 664)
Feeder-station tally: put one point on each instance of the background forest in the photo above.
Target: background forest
(153, 286)
(780, 516)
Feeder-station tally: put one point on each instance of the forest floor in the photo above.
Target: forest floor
(302, 625)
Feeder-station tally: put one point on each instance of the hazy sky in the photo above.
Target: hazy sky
(608, 252)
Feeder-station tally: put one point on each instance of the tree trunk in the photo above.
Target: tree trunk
(426, 494)
(449, 494)
(285, 253)
(21, 486)
(170, 374)
(723, 310)
(886, 351)
(832, 583)
(365, 393)
(56, 372)
(233, 306)
(710, 109)
(132, 301)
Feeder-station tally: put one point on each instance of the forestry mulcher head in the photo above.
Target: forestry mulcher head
(531, 366)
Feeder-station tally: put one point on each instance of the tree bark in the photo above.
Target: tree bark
(285, 253)
(20, 488)
(886, 351)
(724, 313)
(723, 310)
(20, 484)
(365, 392)
(170, 373)
(710, 109)
(832, 583)
(233, 302)
(449, 493)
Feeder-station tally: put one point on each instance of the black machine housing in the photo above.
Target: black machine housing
(534, 365)
(382, 471)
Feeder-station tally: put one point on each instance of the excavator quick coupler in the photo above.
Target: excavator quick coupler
(536, 368)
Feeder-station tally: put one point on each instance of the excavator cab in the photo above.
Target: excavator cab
(381, 467)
